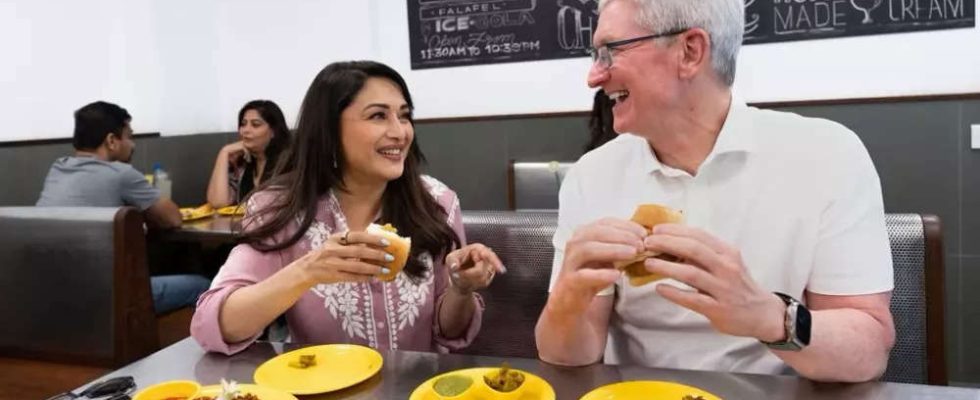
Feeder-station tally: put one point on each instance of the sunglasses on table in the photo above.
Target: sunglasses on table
(118, 388)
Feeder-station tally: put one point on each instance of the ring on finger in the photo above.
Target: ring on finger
(344, 239)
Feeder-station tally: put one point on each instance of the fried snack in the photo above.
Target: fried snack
(452, 385)
(648, 215)
(237, 210)
(399, 247)
(305, 361)
(504, 379)
(188, 213)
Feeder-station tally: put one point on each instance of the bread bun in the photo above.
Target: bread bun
(648, 215)
(400, 248)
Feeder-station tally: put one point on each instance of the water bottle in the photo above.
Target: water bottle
(162, 181)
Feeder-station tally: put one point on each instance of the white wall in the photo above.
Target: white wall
(901, 64)
(56, 57)
(178, 66)
(186, 66)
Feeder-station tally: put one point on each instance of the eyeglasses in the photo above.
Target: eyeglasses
(118, 388)
(603, 54)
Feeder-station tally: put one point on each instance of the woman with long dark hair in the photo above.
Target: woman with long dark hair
(600, 121)
(353, 162)
(243, 165)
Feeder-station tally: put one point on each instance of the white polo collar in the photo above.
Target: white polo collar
(736, 136)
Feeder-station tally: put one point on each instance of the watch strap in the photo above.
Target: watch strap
(793, 310)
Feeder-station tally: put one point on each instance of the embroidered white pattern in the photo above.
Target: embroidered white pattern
(317, 234)
(451, 213)
(436, 188)
(371, 322)
(412, 295)
(392, 338)
(349, 303)
(343, 302)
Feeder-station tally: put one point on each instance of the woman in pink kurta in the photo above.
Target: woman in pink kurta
(306, 254)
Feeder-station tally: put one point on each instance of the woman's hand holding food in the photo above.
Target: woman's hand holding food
(473, 267)
(345, 257)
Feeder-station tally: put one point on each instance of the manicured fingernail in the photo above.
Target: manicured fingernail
(389, 257)
(454, 267)
(385, 242)
(503, 269)
(385, 271)
(455, 275)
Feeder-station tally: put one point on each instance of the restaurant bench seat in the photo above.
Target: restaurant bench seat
(534, 185)
(75, 286)
(523, 242)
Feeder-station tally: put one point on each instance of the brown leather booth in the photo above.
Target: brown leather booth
(75, 286)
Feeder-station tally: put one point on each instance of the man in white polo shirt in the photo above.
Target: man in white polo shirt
(786, 256)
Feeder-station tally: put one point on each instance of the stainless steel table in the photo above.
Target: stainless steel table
(405, 370)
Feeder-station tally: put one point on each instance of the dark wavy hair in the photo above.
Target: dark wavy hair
(314, 164)
(272, 114)
(600, 122)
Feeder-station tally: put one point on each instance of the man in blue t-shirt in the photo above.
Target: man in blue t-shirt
(99, 175)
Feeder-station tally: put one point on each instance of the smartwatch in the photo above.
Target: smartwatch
(796, 323)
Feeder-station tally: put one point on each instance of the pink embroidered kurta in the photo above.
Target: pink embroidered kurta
(401, 314)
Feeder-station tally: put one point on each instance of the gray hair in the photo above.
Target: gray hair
(724, 20)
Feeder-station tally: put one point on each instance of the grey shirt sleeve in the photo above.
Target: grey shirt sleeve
(135, 190)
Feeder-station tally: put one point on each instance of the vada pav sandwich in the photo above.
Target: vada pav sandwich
(399, 247)
(649, 215)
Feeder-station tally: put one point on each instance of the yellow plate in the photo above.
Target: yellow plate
(232, 210)
(192, 213)
(533, 388)
(646, 390)
(168, 390)
(262, 392)
(337, 366)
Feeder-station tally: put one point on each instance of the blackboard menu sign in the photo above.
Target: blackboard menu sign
(445, 33)
(783, 20)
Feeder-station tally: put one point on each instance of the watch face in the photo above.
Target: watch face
(803, 325)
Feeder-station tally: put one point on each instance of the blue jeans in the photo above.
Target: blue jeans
(172, 292)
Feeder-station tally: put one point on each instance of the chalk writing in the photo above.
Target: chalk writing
(446, 33)
(782, 20)
(465, 32)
